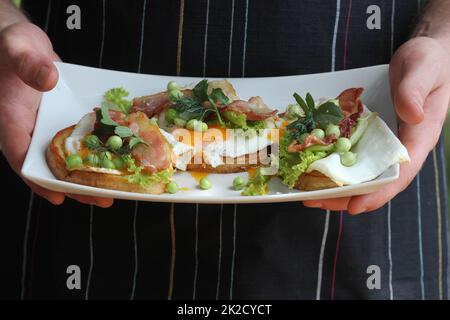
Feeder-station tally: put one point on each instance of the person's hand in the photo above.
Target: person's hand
(27, 69)
(420, 89)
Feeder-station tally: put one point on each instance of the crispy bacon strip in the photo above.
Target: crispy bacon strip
(352, 107)
(349, 100)
(153, 104)
(310, 140)
(255, 109)
(156, 155)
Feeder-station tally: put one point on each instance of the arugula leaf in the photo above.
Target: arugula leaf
(102, 129)
(328, 113)
(116, 98)
(106, 118)
(302, 104)
(201, 91)
(192, 107)
(123, 132)
(135, 141)
(218, 96)
(310, 102)
(188, 108)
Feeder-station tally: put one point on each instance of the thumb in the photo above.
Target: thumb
(417, 80)
(26, 51)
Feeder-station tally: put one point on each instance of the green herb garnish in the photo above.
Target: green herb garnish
(322, 116)
(189, 108)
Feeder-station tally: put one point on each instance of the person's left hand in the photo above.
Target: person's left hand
(420, 90)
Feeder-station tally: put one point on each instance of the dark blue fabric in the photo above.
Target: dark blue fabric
(267, 250)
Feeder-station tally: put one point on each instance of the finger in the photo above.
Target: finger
(415, 71)
(53, 197)
(26, 51)
(419, 140)
(417, 79)
(336, 204)
(96, 201)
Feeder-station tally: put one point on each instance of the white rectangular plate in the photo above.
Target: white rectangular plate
(81, 88)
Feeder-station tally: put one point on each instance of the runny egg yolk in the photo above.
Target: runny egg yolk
(274, 134)
(215, 133)
(251, 172)
(283, 126)
(198, 175)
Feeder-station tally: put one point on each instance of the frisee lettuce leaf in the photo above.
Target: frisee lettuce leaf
(256, 185)
(116, 100)
(293, 165)
(144, 179)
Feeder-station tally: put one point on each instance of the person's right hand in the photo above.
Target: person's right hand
(26, 70)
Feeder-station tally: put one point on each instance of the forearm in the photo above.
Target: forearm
(435, 22)
(9, 14)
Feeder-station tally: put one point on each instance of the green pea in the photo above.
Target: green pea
(105, 155)
(175, 94)
(172, 187)
(73, 161)
(343, 145)
(172, 85)
(114, 142)
(319, 133)
(179, 122)
(204, 127)
(171, 114)
(92, 160)
(348, 159)
(119, 164)
(238, 183)
(92, 142)
(333, 130)
(293, 111)
(192, 124)
(107, 164)
(205, 184)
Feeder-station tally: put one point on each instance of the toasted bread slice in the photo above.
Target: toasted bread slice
(56, 161)
(314, 180)
(232, 165)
